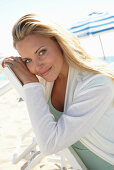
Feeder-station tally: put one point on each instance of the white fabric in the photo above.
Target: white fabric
(88, 114)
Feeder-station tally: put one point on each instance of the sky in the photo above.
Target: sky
(65, 12)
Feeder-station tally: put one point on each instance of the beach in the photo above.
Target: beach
(14, 122)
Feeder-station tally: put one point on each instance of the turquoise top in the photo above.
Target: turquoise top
(57, 114)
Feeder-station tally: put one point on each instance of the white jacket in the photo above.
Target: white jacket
(88, 114)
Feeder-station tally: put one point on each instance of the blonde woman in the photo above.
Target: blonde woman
(69, 94)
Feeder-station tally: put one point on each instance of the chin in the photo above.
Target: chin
(50, 79)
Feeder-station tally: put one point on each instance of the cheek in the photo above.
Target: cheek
(31, 68)
(55, 59)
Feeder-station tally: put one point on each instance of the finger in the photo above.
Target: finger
(17, 59)
(4, 62)
(11, 65)
(9, 62)
(14, 58)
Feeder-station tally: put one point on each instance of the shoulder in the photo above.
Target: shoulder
(92, 81)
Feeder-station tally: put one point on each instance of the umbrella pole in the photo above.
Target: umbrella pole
(102, 47)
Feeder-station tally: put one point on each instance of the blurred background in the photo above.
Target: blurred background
(64, 12)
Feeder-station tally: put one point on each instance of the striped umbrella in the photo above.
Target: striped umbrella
(94, 23)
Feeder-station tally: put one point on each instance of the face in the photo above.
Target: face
(42, 56)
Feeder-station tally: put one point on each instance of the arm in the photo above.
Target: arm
(82, 115)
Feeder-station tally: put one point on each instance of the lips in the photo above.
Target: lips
(46, 72)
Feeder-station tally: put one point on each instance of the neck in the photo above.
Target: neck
(64, 72)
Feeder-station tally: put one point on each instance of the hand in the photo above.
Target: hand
(20, 69)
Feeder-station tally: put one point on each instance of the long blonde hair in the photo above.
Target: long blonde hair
(73, 53)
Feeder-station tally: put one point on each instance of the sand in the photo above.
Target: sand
(14, 121)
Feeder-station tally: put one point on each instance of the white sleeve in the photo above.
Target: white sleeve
(81, 116)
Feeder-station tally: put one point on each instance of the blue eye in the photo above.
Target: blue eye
(42, 52)
(27, 60)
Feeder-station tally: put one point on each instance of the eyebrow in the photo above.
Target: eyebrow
(34, 52)
(38, 49)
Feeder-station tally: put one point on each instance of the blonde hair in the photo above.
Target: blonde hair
(73, 53)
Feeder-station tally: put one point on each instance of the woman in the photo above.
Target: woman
(69, 94)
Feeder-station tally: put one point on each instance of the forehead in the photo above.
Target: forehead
(32, 41)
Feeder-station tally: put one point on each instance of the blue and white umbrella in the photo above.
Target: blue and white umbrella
(94, 23)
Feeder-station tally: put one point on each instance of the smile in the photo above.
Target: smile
(46, 72)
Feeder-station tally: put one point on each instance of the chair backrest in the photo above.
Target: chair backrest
(5, 85)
